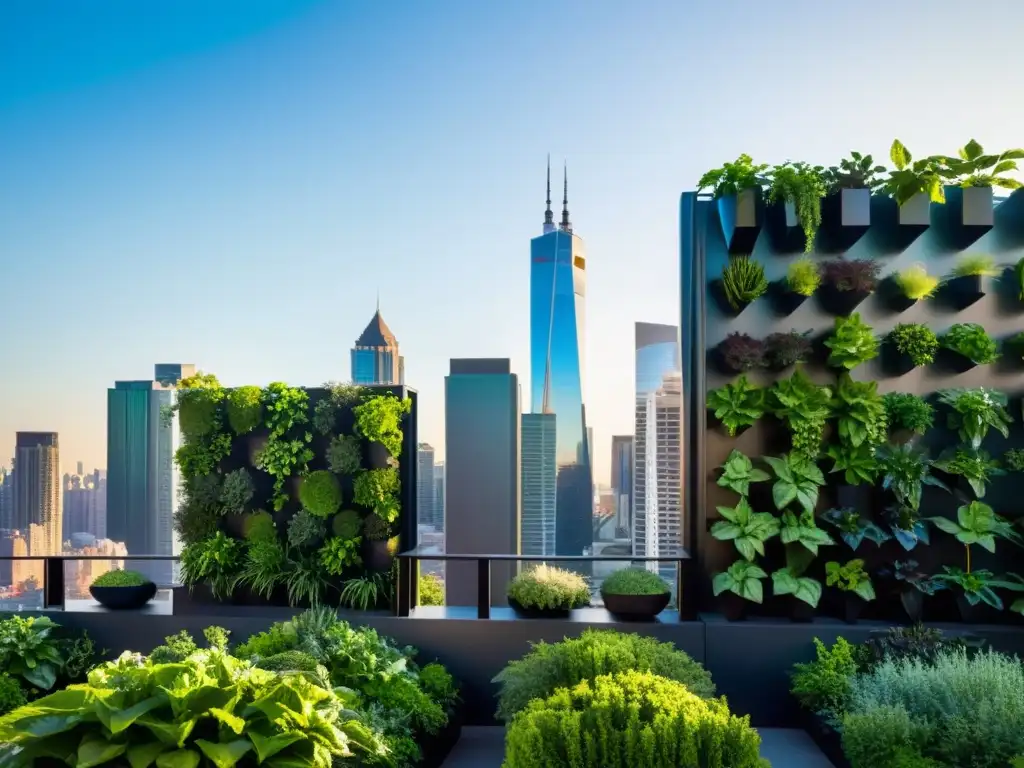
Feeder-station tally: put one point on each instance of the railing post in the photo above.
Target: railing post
(483, 588)
(680, 603)
(403, 600)
(53, 582)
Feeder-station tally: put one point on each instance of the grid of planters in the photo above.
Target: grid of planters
(291, 496)
(312, 691)
(865, 435)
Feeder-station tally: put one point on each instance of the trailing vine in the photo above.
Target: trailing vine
(287, 450)
(802, 185)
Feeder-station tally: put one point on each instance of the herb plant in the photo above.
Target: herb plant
(743, 281)
(338, 555)
(916, 341)
(858, 464)
(912, 177)
(363, 593)
(802, 185)
(287, 450)
(119, 578)
(236, 492)
(803, 530)
(346, 524)
(784, 349)
(733, 178)
(798, 479)
(375, 528)
(378, 489)
(904, 410)
(737, 405)
(915, 283)
(305, 528)
(546, 587)
(320, 493)
(860, 412)
(804, 406)
(741, 352)
(976, 467)
(306, 579)
(245, 409)
(978, 586)
(851, 275)
(854, 528)
(216, 561)
(634, 581)
(1014, 460)
(971, 341)
(344, 455)
(974, 411)
(855, 172)
(745, 528)
(852, 343)
(786, 581)
(973, 168)
(905, 472)
(975, 265)
(379, 419)
(738, 472)
(803, 277)
(742, 578)
(264, 566)
(850, 577)
(29, 650)
(822, 686)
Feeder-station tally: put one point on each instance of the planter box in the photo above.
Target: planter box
(635, 607)
(963, 291)
(784, 301)
(825, 737)
(838, 302)
(436, 747)
(916, 213)
(894, 362)
(741, 217)
(784, 229)
(954, 361)
(538, 613)
(853, 607)
(845, 218)
(718, 292)
(733, 607)
(894, 297)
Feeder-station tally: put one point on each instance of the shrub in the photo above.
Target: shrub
(347, 524)
(198, 398)
(289, 661)
(119, 578)
(1014, 460)
(743, 281)
(904, 410)
(785, 349)
(631, 719)
(236, 492)
(595, 652)
(546, 587)
(916, 341)
(803, 277)
(823, 685)
(634, 581)
(377, 489)
(245, 409)
(853, 342)
(742, 352)
(11, 695)
(337, 555)
(199, 510)
(971, 341)
(975, 265)
(345, 455)
(375, 528)
(439, 685)
(320, 493)
(431, 590)
(915, 283)
(859, 275)
(379, 419)
(304, 529)
(259, 526)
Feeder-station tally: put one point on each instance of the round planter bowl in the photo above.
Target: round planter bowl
(124, 598)
(538, 613)
(635, 607)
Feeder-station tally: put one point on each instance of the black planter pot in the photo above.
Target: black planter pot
(741, 217)
(784, 228)
(800, 612)
(124, 598)
(916, 213)
(827, 738)
(718, 292)
(894, 362)
(733, 607)
(969, 614)
(894, 297)
(912, 601)
(953, 362)
(853, 607)
(538, 613)
(784, 301)
(635, 607)
(838, 302)
(437, 746)
(969, 214)
(963, 291)
(378, 556)
(845, 217)
(377, 456)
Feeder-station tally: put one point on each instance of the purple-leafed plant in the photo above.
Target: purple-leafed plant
(741, 352)
(859, 275)
(782, 350)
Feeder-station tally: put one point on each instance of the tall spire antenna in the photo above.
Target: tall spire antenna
(549, 217)
(566, 225)
(378, 301)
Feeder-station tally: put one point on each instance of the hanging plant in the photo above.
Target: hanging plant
(379, 419)
(802, 185)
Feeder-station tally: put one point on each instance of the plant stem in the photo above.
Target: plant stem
(968, 548)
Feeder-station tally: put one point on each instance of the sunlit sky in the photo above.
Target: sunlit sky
(230, 184)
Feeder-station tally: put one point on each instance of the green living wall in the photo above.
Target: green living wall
(290, 495)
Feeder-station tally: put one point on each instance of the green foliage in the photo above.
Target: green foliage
(279, 638)
(263, 568)
(551, 666)
(376, 528)
(916, 341)
(1014, 460)
(914, 642)
(431, 590)
(199, 510)
(802, 185)
(634, 581)
(915, 283)
(803, 277)
(738, 472)
(119, 578)
(378, 489)
(853, 528)
(742, 352)
(379, 419)
(440, 686)
(822, 686)
(745, 528)
(904, 410)
(287, 450)
(804, 406)
(198, 402)
(971, 341)
(320, 493)
(852, 343)
(340, 397)
(855, 172)
(176, 648)
(347, 524)
(11, 695)
(289, 661)
(798, 479)
(306, 580)
(851, 275)
(976, 523)
(345, 454)
(976, 467)
(859, 465)
(860, 412)
(738, 404)
(789, 581)
(630, 719)
(850, 577)
(364, 593)
(215, 561)
(803, 530)
(546, 587)
(743, 281)
(733, 178)
(338, 555)
(974, 411)
(305, 529)
(743, 578)
(787, 348)
(29, 649)
(260, 526)
(245, 409)
(912, 177)
(236, 492)
(1018, 271)
(975, 265)
(202, 455)
(973, 168)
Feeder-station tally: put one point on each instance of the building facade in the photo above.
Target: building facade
(657, 356)
(6, 498)
(539, 477)
(375, 356)
(425, 492)
(482, 473)
(85, 503)
(38, 509)
(557, 323)
(663, 524)
(439, 482)
(622, 481)
(142, 479)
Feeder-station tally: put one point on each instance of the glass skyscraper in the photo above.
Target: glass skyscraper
(539, 483)
(375, 357)
(557, 321)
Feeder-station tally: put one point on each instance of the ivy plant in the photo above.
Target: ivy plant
(853, 342)
(976, 467)
(850, 577)
(803, 530)
(802, 185)
(971, 341)
(854, 528)
(973, 412)
(798, 479)
(733, 178)
(737, 405)
(743, 578)
(747, 529)
(804, 406)
(738, 472)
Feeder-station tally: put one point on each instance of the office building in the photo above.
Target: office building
(37, 491)
(663, 525)
(622, 481)
(425, 492)
(657, 357)
(538, 483)
(142, 479)
(85, 503)
(557, 312)
(482, 475)
(6, 498)
(439, 478)
(375, 357)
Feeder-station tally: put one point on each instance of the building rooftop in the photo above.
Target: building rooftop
(377, 334)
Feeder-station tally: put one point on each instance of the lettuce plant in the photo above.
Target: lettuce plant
(737, 405)
(853, 342)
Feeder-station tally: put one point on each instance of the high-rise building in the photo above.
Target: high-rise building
(482, 480)
(142, 480)
(538, 483)
(6, 499)
(622, 480)
(439, 481)
(375, 357)
(37, 491)
(85, 503)
(557, 313)
(663, 525)
(657, 368)
(425, 492)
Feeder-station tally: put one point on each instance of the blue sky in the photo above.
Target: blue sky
(230, 183)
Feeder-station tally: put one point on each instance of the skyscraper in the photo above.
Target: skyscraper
(425, 491)
(482, 481)
(622, 480)
(6, 499)
(663, 525)
(375, 357)
(538, 483)
(557, 295)
(37, 493)
(85, 503)
(657, 359)
(142, 479)
(439, 481)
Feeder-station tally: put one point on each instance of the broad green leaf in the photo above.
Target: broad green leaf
(42, 676)
(946, 525)
(171, 734)
(724, 530)
(971, 150)
(721, 583)
(748, 548)
(1003, 166)
(96, 750)
(143, 755)
(179, 758)
(269, 744)
(783, 494)
(752, 590)
(122, 719)
(783, 582)
(865, 591)
(987, 541)
(807, 498)
(899, 155)
(225, 755)
(233, 722)
(809, 591)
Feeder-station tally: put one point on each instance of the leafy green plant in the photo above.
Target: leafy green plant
(804, 406)
(973, 168)
(971, 341)
(289, 661)
(787, 348)
(306, 580)
(803, 530)
(904, 410)
(378, 489)
(375, 528)
(287, 450)
(245, 409)
(733, 178)
(199, 511)
(738, 472)
(975, 265)
(431, 589)
(1018, 271)
(859, 465)
(339, 397)
(742, 578)
(737, 405)
(745, 528)
(236, 492)
(743, 281)
(347, 524)
(976, 467)
(742, 352)
(915, 283)
(786, 581)
(634, 581)
(379, 419)
(11, 695)
(119, 578)
(905, 472)
(803, 277)
(338, 555)
(822, 686)
(850, 577)
(547, 587)
(798, 479)
(973, 412)
(320, 493)
(198, 400)
(912, 177)
(916, 341)
(802, 185)
(853, 342)
(1014, 460)
(29, 649)
(200, 456)
(622, 719)
(345, 455)
(856, 172)
(215, 561)
(976, 523)
(363, 593)
(978, 586)
(264, 566)
(551, 666)
(259, 526)
(854, 528)
(851, 275)
(305, 528)
(860, 412)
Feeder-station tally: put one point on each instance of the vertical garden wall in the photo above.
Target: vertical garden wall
(853, 398)
(294, 496)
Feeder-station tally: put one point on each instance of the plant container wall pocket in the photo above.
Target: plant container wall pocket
(784, 228)
(838, 302)
(783, 300)
(894, 297)
(894, 362)
(718, 291)
(636, 607)
(377, 456)
(378, 556)
(954, 362)
(853, 607)
(965, 290)
(741, 218)
(732, 606)
(538, 613)
(912, 219)
(971, 210)
(845, 218)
